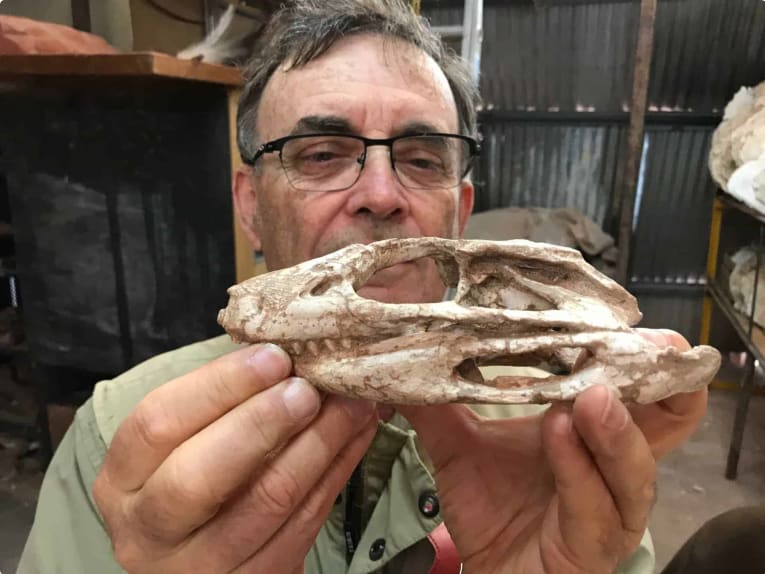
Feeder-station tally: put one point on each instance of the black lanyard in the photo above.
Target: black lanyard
(352, 521)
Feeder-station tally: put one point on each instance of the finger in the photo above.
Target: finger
(293, 541)
(179, 409)
(669, 422)
(278, 490)
(190, 486)
(621, 454)
(587, 517)
(439, 426)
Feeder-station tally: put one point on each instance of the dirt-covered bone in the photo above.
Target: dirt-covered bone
(516, 303)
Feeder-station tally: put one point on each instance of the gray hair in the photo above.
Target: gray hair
(303, 30)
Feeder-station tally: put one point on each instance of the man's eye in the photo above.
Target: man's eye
(321, 156)
(423, 163)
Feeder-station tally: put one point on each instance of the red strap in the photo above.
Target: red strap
(447, 560)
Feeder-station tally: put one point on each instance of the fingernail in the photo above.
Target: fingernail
(615, 414)
(272, 362)
(301, 399)
(359, 409)
(656, 336)
(674, 339)
(665, 336)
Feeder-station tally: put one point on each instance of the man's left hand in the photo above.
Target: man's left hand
(569, 490)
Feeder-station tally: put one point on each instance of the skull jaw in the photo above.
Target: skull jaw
(638, 370)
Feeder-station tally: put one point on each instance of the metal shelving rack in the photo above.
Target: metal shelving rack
(751, 335)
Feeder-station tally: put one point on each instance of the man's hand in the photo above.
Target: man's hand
(569, 490)
(230, 468)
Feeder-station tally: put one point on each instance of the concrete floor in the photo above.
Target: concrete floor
(20, 480)
(691, 483)
(692, 487)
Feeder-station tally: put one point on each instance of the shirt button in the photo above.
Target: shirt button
(428, 503)
(377, 549)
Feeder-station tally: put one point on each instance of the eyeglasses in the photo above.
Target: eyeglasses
(333, 162)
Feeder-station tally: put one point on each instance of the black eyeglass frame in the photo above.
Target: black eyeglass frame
(474, 148)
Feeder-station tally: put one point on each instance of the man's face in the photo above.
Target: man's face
(378, 88)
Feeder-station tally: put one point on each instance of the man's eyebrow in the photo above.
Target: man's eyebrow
(414, 128)
(321, 124)
(340, 125)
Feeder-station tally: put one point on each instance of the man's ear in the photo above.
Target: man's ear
(465, 204)
(246, 205)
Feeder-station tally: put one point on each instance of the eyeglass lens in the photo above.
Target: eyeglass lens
(333, 163)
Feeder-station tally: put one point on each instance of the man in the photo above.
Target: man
(213, 459)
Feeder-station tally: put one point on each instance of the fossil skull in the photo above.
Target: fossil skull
(516, 303)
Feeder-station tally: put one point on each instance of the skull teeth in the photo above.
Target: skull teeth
(313, 347)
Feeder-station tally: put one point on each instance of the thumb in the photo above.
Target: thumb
(442, 429)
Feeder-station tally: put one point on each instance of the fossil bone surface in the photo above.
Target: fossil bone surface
(517, 303)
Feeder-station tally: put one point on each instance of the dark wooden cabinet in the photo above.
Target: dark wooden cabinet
(118, 170)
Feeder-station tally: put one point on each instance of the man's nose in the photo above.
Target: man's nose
(378, 191)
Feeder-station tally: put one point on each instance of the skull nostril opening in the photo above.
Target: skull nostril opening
(322, 287)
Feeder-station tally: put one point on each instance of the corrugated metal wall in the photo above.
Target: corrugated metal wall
(558, 58)
(549, 164)
(542, 65)
(580, 55)
(680, 312)
(706, 50)
(670, 240)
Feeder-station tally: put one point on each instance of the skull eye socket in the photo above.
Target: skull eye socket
(388, 275)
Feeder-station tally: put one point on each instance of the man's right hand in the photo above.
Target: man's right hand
(230, 468)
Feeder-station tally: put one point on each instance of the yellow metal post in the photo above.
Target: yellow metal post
(714, 247)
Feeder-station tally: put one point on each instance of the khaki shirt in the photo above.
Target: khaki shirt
(68, 535)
